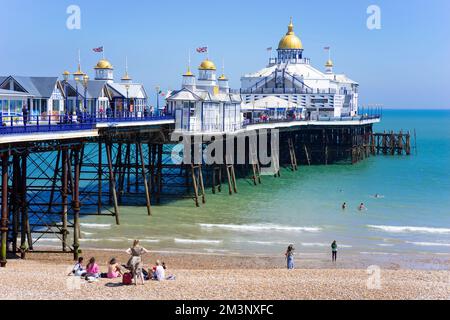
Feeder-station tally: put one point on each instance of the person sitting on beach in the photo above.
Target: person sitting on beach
(159, 271)
(290, 257)
(362, 207)
(114, 270)
(334, 249)
(92, 269)
(78, 269)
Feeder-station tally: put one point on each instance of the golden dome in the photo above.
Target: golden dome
(66, 73)
(290, 41)
(223, 78)
(329, 63)
(104, 64)
(208, 65)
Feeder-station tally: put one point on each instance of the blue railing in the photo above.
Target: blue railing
(20, 124)
(291, 119)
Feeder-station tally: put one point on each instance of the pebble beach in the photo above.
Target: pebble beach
(213, 277)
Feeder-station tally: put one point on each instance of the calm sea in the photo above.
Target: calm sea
(304, 208)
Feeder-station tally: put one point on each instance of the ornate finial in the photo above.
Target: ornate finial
(291, 27)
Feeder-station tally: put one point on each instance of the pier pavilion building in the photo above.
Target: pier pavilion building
(205, 104)
(291, 78)
(103, 93)
(40, 95)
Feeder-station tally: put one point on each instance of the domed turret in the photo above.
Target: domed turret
(290, 48)
(188, 80)
(329, 66)
(207, 71)
(104, 71)
(224, 86)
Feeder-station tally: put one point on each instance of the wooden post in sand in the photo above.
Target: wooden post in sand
(4, 220)
(144, 176)
(112, 182)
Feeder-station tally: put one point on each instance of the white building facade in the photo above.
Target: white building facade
(205, 105)
(291, 78)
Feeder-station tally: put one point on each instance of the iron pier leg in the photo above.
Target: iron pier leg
(76, 205)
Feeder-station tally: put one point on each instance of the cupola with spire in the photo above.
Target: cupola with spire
(329, 66)
(189, 80)
(126, 78)
(224, 86)
(290, 48)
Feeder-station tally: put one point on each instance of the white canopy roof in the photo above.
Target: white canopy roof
(269, 102)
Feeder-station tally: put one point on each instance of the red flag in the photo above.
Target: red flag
(99, 49)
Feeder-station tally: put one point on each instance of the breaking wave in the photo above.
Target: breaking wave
(259, 227)
(401, 229)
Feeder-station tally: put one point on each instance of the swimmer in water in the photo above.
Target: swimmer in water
(344, 206)
(362, 207)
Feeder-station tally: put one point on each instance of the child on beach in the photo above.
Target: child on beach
(334, 249)
(92, 269)
(290, 257)
(114, 270)
(78, 270)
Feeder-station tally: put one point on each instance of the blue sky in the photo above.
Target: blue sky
(403, 65)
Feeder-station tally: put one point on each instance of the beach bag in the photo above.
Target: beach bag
(127, 279)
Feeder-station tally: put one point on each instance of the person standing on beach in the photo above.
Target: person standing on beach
(290, 257)
(135, 262)
(334, 249)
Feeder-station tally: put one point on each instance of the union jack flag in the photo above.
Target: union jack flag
(99, 49)
(202, 50)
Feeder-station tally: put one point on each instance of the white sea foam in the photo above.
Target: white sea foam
(95, 226)
(199, 241)
(429, 244)
(267, 243)
(385, 245)
(259, 227)
(86, 233)
(402, 229)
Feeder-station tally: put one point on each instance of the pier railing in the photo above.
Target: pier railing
(320, 119)
(20, 124)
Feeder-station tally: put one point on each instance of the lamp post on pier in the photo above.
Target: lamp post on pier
(127, 86)
(85, 85)
(77, 80)
(158, 90)
(66, 76)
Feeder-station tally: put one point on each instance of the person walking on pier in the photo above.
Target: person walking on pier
(290, 257)
(334, 249)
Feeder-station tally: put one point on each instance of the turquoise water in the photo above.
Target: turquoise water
(304, 208)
